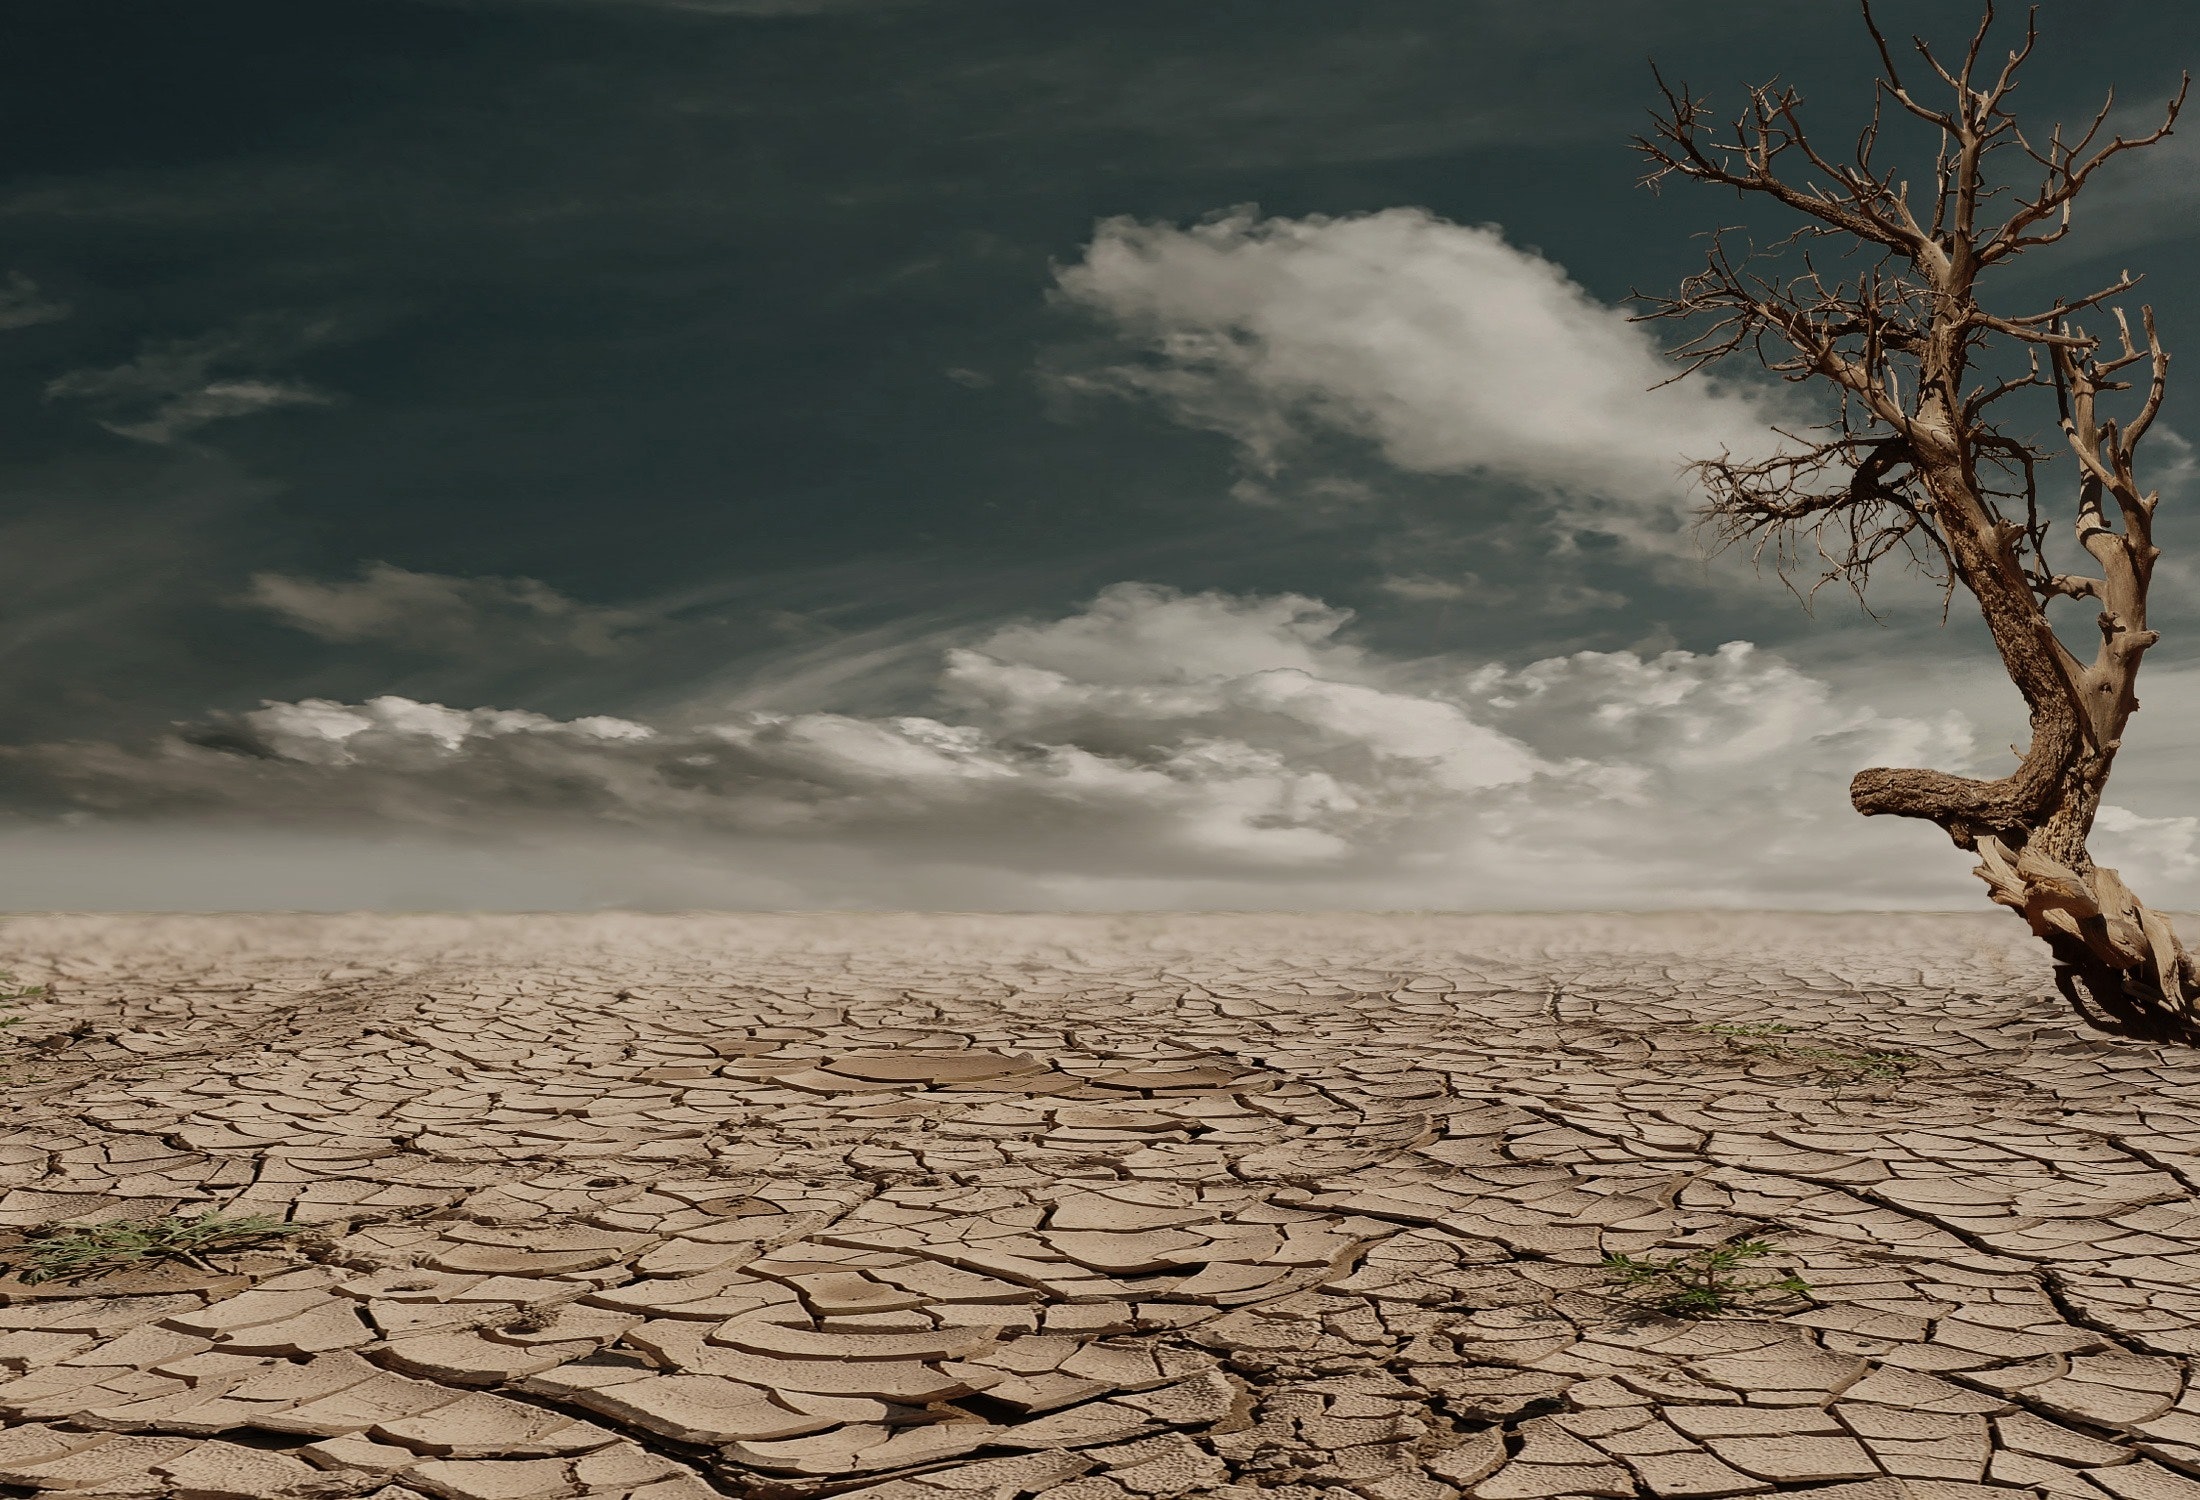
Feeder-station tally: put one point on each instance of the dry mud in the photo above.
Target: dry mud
(942, 1207)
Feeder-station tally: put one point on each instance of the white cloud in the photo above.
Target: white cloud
(174, 388)
(1449, 349)
(1735, 708)
(2123, 839)
(1153, 748)
(318, 732)
(465, 617)
(23, 305)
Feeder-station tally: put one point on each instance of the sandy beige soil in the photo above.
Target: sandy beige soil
(942, 1207)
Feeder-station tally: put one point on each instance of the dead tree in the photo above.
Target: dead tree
(1927, 451)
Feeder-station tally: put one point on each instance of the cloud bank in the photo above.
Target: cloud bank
(1447, 348)
(1153, 748)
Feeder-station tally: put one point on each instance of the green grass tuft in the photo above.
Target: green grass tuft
(9, 991)
(1701, 1283)
(10, 1018)
(74, 1251)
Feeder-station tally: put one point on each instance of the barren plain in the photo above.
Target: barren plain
(947, 1207)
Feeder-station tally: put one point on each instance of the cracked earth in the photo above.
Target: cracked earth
(938, 1208)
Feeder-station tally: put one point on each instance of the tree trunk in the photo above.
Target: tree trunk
(2030, 828)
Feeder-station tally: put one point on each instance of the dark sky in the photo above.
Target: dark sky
(734, 325)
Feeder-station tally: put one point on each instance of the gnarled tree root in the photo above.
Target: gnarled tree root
(2109, 947)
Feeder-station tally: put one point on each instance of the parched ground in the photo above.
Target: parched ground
(939, 1208)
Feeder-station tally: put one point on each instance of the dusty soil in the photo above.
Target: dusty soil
(936, 1207)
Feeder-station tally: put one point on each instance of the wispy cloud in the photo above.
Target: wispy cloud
(1447, 348)
(474, 618)
(1154, 746)
(175, 387)
(23, 305)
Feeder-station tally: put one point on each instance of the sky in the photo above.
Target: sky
(960, 454)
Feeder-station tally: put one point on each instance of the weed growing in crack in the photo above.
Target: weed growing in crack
(11, 992)
(10, 1018)
(1701, 1283)
(72, 1252)
(1835, 1066)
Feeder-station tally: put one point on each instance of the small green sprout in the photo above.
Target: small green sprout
(10, 990)
(1701, 1283)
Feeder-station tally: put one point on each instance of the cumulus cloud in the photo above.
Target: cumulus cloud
(1153, 748)
(436, 612)
(23, 305)
(175, 387)
(1449, 349)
